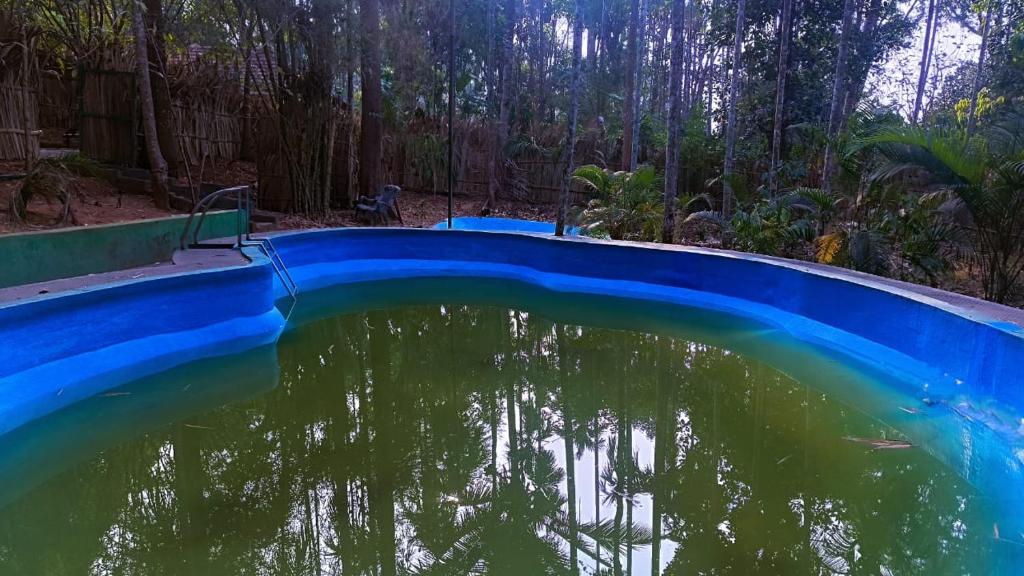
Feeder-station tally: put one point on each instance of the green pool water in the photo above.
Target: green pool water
(471, 438)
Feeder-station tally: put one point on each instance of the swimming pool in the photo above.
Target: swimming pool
(784, 398)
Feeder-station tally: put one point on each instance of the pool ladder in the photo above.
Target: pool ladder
(243, 232)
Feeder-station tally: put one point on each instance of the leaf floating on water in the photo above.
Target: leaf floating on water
(881, 443)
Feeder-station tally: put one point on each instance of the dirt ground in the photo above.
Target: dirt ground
(96, 201)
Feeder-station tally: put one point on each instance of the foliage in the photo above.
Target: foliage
(772, 226)
(628, 205)
(982, 181)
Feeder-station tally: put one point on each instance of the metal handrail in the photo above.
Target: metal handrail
(267, 247)
(264, 244)
(203, 206)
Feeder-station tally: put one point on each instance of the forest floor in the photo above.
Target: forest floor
(96, 201)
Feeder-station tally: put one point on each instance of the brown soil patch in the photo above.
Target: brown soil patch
(94, 201)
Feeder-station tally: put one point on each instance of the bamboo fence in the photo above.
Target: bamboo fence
(58, 108)
(108, 119)
(207, 103)
(12, 128)
(19, 107)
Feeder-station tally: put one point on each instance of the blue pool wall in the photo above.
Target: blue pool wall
(58, 349)
(947, 349)
(61, 348)
(503, 225)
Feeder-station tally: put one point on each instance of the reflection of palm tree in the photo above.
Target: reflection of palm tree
(518, 528)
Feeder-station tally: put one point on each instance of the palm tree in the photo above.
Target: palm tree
(628, 204)
(983, 178)
(771, 226)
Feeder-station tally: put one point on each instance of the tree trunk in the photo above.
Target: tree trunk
(188, 487)
(785, 22)
(157, 165)
(26, 120)
(371, 138)
(531, 29)
(600, 98)
(865, 55)
(568, 419)
(835, 116)
(351, 157)
(638, 86)
(492, 152)
(675, 105)
(591, 49)
(628, 99)
(712, 76)
(574, 108)
(972, 118)
(157, 53)
(622, 451)
(507, 66)
(382, 489)
(662, 438)
(730, 127)
(922, 78)
(245, 147)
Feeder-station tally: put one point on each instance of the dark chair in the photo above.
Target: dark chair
(382, 208)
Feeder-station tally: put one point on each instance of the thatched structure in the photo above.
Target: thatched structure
(19, 75)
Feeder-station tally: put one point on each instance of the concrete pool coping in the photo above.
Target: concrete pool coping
(186, 261)
(183, 261)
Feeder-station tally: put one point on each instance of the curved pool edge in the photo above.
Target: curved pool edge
(72, 345)
(963, 349)
(129, 329)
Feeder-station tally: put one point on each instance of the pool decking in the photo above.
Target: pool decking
(182, 261)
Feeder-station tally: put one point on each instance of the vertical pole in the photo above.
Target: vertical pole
(451, 109)
(239, 218)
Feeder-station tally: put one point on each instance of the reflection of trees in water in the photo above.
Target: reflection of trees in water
(424, 441)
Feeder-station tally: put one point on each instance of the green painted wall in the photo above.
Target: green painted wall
(39, 256)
